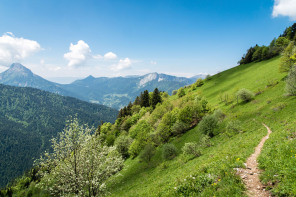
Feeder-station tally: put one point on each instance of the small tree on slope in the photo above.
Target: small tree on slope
(79, 165)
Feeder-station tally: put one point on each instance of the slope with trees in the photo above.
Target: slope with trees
(30, 118)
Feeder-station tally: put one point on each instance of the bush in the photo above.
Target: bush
(291, 82)
(169, 151)
(219, 114)
(147, 153)
(205, 141)
(245, 95)
(199, 82)
(191, 148)
(122, 144)
(208, 125)
(181, 92)
(174, 92)
(179, 127)
(233, 127)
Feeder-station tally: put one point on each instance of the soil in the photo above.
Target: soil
(250, 174)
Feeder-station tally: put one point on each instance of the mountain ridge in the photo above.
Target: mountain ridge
(114, 92)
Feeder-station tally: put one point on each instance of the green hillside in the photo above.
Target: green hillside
(188, 144)
(270, 106)
(213, 173)
(29, 118)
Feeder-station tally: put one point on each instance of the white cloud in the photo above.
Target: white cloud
(13, 49)
(284, 8)
(110, 56)
(122, 64)
(79, 54)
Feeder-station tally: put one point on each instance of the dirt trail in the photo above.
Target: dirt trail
(250, 175)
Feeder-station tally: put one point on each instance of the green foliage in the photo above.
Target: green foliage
(140, 133)
(199, 82)
(191, 148)
(282, 42)
(147, 154)
(194, 184)
(145, 100)
(181, 92)
(218, 113)
(29, 118)
(287, 60)
(208, 125)
(156, 98)
(169, 151)
(164, 128)
(245, 95)
(122, 144)
(179, 127)
(233, 127)
(78, 164)
(291, 82)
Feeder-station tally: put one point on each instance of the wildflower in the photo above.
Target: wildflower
(219, 180)
(175, 188)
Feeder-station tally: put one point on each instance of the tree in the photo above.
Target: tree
(145, 101)
(79, 165)
(286, 60)
(148, 152)
(291, 82)
(248, 57)
(156, 98)
(181, 92)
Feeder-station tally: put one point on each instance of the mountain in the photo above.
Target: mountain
(119, 91)
(20, 76)
(113, 92)
(29, 118)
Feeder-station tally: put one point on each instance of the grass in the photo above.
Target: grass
(278, 158)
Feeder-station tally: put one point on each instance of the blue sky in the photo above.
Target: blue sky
(128, 37)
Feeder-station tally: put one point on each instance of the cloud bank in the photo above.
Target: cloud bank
(285, 8)
(14, 49)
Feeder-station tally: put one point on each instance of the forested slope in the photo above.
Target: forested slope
(30, 118)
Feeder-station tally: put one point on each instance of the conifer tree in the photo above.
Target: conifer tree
(145, 99)
(156, 98)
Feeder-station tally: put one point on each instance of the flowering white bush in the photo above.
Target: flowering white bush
(79, 165)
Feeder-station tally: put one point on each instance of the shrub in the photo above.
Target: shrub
(174, 92)
(135, 148)
(191, 148)
(245, 95)
(147, 153)
(291, 82)
(122, 144)
(181, 92)
(205, 141)
(219, 114)
(199, 82)
(179, 127)
(169, 151)
(233, 127)
(208, 125)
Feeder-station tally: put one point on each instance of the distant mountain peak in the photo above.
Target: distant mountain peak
(20, 69)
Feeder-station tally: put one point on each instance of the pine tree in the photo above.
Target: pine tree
(156, 98)
(137, 101)
(145, 99)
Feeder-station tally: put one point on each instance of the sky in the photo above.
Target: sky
(68, 39)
